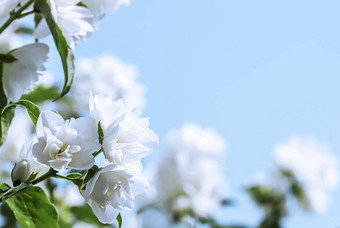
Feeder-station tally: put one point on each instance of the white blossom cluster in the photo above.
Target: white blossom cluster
(110, 76)
(313, 165)
(76, 23)
(115, 129)
(189, 175)
(70, 144)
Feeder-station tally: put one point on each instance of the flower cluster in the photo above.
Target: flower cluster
(67, 148)
(191, 160)
(314, 167)
(110, 76)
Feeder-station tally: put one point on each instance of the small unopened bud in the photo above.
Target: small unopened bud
(20, 172)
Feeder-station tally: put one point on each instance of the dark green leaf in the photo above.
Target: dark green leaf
(85, 214)
(299, 193)
(90, 173)
(65, 52)
(7, 58)
(32, 208)
(31, 177)
(119, 220)
(7, 214)
(3, 98)
(32, 109)
(227, 202)
(100, 133)
(24, 30)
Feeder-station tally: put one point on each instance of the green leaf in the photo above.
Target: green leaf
(24, 30)
(3, 98)
(8, 216)
(32, 109)
(6, 119)
(119, 220)
(74, 176)
(32, 208)
(41, 94)
(4, 187)
(90, 173)
(85, 214)
(65, 52)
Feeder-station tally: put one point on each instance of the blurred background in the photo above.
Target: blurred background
(262, 74)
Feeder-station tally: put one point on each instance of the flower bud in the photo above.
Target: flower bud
(20, 172)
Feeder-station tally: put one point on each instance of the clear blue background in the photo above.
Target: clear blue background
(257, 71)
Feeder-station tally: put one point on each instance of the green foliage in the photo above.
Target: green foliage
(213, 224)
(295, 188)
(76, 178)
(6, 119)
(90, 173)
(32, 208)
(273, 203)
(9, 218)
(65, 52)
(41, 94)
(24, 30)
(32, 109)
(85, 214)
(4, 187)
(100, 133)
(7, 58)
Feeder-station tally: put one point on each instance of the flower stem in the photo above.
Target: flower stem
(15, 15)
(50, 173)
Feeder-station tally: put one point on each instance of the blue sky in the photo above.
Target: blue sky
(257, 71)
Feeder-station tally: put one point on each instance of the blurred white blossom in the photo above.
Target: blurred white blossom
(65, 144)
(314, 167)
(113, 188)
(71, 19)
(20, 76)
(102, 7)
(189, 175)
(109, 76)
(127, 137)
(10, 150)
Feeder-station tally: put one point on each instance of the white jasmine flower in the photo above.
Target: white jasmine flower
(109, 76)
(192, 161)
(71, 19)
(65, 144)
(127, 137)
(102, 7)
(113, 188)
(313, 165)
(6, 6)
(19, 76)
